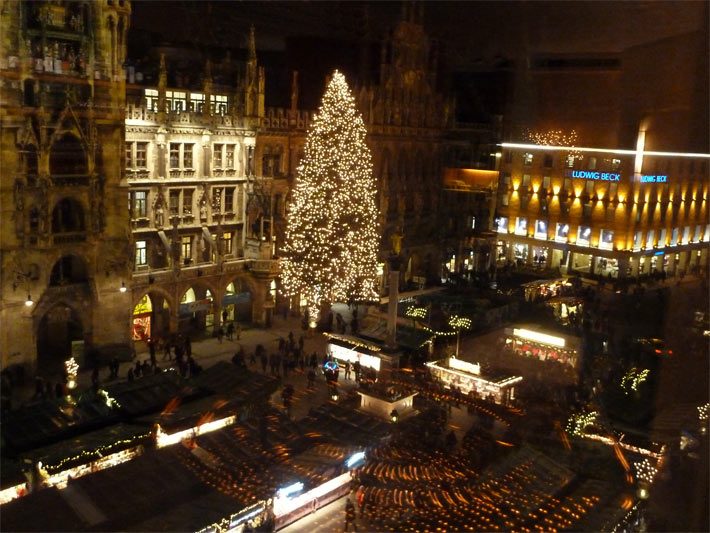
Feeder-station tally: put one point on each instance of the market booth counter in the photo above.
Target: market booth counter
(387, 404)
(469, 378)
(538, 344)
(371, 355)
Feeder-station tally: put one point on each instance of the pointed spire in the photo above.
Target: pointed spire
(162, 87)
(294, 91)
(207, 88)
(252, 43)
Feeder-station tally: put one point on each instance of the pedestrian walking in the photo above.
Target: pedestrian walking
(347, 370)
(130, 375)
(264, 362)
(350, 515)
(225, 316)
(239, 332)
(230, 331)
(311, 378)
(220, 334)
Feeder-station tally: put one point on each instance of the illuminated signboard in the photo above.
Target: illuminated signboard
(539, 337)
(645, 178)
(593, 175)
(464, 366)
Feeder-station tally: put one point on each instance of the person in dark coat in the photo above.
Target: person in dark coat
(350, 515)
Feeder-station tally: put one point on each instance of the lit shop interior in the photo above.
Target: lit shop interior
(470, 379)
(538, 344)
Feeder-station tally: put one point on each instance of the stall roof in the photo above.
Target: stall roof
(489, 375)
(541, 282)
(94, 444)
(49, 421)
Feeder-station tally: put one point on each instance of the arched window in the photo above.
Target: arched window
(69, 269)
(188, 297)
(67, 157)
(67, 216)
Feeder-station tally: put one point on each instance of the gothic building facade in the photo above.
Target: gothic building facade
(406, 119)
(200, 216)
(64, 237)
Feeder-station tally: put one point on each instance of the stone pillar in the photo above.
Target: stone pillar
(670, 270)
(647, 264)
(623, 264)
(703, 260)
(683, 262)
(635, 266)
(394, 263)
(529, 259)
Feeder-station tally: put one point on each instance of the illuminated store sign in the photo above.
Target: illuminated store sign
(654, 179)
(539, 337)
(593, 175)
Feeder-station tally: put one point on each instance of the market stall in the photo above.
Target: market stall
(538, 344)
(469, 378)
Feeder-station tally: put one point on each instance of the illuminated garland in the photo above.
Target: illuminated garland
(554, 138)
(645, 471)
(355, 342)
(416, 312)
(703, 412)
(331, 241)
(577, 423)
(633, 379)
(100, 451)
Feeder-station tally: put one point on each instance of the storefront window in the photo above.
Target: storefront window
(606, 239)
(521, 226)
(583, 235)
(562, 232)
(501, 224)
(541, 229)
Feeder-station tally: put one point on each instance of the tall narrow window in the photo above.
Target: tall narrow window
(174, 202)
(187, 201)
(229, 199)
(129, 155)
(174, 155)
(186, 248)
(187, 155)
(217, 156)
(138, 204)
(141, 155)
(141, 255)
(229, 157)
(227, 240)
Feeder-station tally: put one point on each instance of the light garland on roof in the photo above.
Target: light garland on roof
(96, 452)
(352, 340)
(331, 243)
(552, 137)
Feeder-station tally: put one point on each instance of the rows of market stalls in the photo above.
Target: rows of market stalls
(48, 441)
(258, 471)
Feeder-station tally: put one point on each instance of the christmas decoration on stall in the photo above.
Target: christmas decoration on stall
(332, 237)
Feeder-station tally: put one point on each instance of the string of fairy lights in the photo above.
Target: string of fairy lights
(331, 241)
(633, 379)
(554, 138)
(579, 422)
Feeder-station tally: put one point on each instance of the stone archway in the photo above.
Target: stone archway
(60, 333)
(196, 309)
(151, 316)
(238, 301)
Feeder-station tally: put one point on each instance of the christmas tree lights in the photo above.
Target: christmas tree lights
(330, 249)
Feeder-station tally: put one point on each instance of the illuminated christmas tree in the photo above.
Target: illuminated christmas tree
(330, 250)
